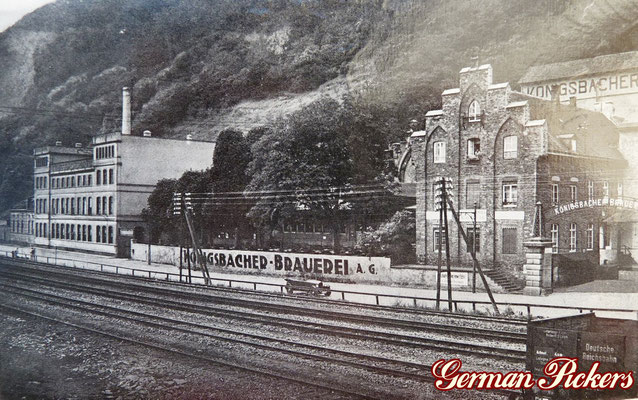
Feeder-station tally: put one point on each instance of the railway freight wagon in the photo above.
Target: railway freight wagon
(611, 342)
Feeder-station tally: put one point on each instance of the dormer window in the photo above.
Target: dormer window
(474, 111)
(473, 148)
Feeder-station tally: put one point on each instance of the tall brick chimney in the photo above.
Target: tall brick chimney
(126, 111)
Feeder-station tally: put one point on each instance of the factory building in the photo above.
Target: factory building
(90, 199)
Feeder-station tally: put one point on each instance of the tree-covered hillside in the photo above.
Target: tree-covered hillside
(201, 66)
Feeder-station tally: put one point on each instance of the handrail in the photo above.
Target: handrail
(377, 296)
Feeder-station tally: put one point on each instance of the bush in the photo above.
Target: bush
(394, 238)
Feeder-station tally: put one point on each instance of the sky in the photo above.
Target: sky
(12, 10)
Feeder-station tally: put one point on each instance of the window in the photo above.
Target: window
(473, 148)
(572, 237)
(439, 152)
(104, 177)
(88, 234)
(472, 238)
(98, 177)
(619, 189)
(98, 205)
(41, 161)
(111, 176)
(590, 190)
(574, 146)
(89, 206)
(110, 205)
(554, 238)
(510, 147)
(509, 240)
(104, 209)
(104, 234)
(88, 183)
(473, 194)
(606, 188)
(98, 237)
(474, 111)
(573, 191)
(554, 193)
(510, 194)
(590, 237)
(110, 234)
(439, 235)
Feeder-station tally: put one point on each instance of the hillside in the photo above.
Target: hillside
(200, 66)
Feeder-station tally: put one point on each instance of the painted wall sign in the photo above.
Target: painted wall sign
(587, 87)
(593, 203)
(458, 279)
(295, 263)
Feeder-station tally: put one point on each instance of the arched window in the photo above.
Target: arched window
(474, 111)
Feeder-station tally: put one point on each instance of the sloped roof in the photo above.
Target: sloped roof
(595, 134)
(583, 67)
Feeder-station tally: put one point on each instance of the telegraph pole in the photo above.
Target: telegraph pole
(474, 252)
(447, 248)
(442, 185)
(478, 267)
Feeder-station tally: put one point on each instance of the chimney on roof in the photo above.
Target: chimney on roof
(78, 145)
(147, 133)
(126, 111)
(58, 143)
(475, 61)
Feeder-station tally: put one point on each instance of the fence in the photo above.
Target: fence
(378, 299)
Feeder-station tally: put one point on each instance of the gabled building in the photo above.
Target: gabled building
(504, 151)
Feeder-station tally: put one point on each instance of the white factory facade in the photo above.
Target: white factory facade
(90, 199)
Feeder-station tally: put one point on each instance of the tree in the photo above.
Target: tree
(313, 163)
(227, 207)
(158, 215)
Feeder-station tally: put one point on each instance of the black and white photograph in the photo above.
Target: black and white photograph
(318, 199)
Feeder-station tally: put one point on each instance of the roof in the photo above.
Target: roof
(595, 134)
(451, 91)
(61, 150)
(498, 86)
(517, 104)
(582, 67)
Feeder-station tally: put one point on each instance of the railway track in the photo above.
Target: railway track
(25, 282)
(350, 393)
(515, 323)
(177, 301)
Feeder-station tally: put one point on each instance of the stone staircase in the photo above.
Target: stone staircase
(505, 282)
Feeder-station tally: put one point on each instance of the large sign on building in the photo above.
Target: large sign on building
(606, 85)
(294, 263)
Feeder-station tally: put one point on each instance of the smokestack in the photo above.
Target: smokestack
(126, 111)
